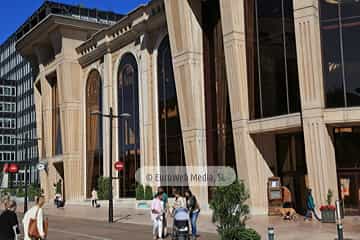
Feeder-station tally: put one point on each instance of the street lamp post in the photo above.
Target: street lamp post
(26, 180)
(111, 116)
(111, 203)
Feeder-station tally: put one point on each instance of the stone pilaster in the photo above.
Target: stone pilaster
(70, 85)
(107, 103)
(185, 36)
(249, 160)
(320, 154)
(146, 106)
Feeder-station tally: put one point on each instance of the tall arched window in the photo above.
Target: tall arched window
(94, 152)
(129, 134)
(171, 144)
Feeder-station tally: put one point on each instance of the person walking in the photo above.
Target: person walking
(94, 198)
(157, 211)
(194, 211)
(35, 213)
(4, 200)
(9, 229)
(165, 199)
(310, 207)
(179, 202)
(59, 201)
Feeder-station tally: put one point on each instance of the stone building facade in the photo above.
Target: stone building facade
(246, 84)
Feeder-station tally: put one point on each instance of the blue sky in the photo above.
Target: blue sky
(14, 12)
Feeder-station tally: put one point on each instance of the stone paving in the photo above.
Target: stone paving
(300, 230)
(285, 230)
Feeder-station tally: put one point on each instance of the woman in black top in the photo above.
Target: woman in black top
(194, 209)
(9, 223)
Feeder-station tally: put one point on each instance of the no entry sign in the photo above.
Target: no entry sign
(13, 168)
(119, 165)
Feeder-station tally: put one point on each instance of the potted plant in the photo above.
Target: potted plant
(328, 211)
(148, 193)
(103, 188)
(230, 212)
(140, 197)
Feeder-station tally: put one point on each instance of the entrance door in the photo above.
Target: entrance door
(348, 166)
(349, 182)
(291, 167)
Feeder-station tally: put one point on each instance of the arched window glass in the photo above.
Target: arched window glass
(171, 145)
(94, 151)
(129, 134)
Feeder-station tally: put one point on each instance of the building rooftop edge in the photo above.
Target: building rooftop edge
(104, 32)
(51, 5)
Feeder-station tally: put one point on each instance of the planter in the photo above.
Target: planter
(328, 216)
(143, 204)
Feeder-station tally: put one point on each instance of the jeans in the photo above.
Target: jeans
(93, 203)
(309, 212)
(193, 217)
(157, 227)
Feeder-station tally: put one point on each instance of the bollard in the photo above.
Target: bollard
(271, 233)
(340, 231)
(339, 226)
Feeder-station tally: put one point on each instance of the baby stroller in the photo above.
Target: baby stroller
(181, 224)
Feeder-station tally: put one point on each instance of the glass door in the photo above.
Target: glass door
(349, 185)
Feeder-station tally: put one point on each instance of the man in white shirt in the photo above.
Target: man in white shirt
(35, 212)
(157, 209)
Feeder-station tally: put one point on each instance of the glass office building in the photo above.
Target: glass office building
(17, 116)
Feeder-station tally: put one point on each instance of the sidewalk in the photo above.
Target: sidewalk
(121, 214)
(284, 230)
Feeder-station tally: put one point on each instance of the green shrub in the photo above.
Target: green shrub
(230, 212)
(12, 191)
(148, 193)
(240, 233)
(58, 187)
(140, 195)
(33, 191)
(329, 197)
(103, 188)
(20, 192)
(247, 234)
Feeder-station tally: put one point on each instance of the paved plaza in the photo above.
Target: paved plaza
(63, 228)
(80, 221)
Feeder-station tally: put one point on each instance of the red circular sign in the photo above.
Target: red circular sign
(13, 168)
(119, 165)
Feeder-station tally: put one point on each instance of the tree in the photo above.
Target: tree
(230, 212)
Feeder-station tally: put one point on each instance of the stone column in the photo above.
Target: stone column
(107, 103)
(70, 85)
(249, 160)
(185, 35)
(320, 153)
(146, 106)
(46, 130)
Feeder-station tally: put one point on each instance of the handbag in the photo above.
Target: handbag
(33, 231)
